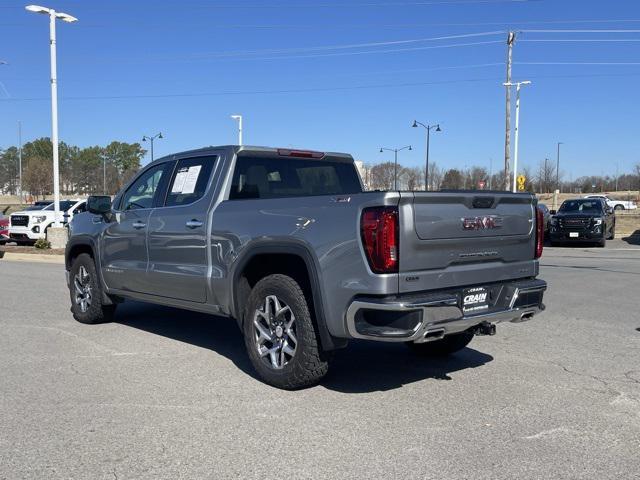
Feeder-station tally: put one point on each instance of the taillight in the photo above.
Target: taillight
(379, 230)
(539, 233)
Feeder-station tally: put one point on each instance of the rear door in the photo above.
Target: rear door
(178, 247)
(450, 239)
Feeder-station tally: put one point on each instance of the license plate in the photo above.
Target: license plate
(474, 300)
(574, 234)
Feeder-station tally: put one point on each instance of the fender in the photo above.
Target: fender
(87, 241)
(292, 247)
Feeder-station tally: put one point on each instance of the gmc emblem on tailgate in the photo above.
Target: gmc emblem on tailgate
(481, 223)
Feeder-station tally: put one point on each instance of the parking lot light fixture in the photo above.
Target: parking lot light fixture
(239, 119)
(65, 17)
(395, 162)
(428, 128)
(515, 147)
(151, 139)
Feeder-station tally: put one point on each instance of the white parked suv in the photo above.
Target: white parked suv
(615, 204)
(30, 225)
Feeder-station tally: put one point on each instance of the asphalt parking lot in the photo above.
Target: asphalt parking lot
(163, 393)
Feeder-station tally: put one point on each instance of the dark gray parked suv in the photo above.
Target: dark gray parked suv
(288, 244)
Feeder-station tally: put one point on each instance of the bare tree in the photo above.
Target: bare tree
(414, 178)
(453, 179)
(382, 176)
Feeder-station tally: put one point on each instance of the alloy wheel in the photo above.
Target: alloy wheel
(274, 326)
(82, 286)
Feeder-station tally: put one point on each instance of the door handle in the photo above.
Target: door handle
(139, 225)
(193, 224)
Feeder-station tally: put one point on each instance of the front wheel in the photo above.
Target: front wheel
(279, 334)
(441, 348)
(86, 292)
(619, 207)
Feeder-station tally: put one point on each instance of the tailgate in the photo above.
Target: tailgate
(450, 239)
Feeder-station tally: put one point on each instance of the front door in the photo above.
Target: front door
(178, 261)
(124, 241)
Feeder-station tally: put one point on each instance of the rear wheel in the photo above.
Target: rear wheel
(612, 234)
(619, 207)
(279, 334)
(441, 348)
(86, 292)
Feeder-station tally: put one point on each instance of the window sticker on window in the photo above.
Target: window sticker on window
(186, 179)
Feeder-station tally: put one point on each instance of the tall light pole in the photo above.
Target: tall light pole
(515, 147)
(395, 162)
(558, 167)
(151, 139)
(239, 119)
(20, 160)
(428, 129)
(53, 15)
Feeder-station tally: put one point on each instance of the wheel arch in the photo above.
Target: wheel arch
(290, 258)
(84, 244)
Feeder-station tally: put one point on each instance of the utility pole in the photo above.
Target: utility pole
(511, 38)
(515, 154)
(558, 167)
(20, 160)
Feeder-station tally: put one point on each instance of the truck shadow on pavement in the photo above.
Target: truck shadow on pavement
(360, 368)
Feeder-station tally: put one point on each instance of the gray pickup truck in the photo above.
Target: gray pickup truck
(288, 244)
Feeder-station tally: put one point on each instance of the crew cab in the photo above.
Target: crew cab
(288, 244)
(616, 204)
(29, 225)
(582, 220)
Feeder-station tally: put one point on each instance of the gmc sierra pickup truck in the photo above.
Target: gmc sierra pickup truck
(288, 244)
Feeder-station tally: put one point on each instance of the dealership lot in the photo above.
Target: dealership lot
(166, 393)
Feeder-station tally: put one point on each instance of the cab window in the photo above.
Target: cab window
(141, 193)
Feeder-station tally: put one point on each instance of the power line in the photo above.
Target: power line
(581, 40)
(582, 31)
(344, 46)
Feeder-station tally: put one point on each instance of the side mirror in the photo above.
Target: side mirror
(99, 204)
(552, 212)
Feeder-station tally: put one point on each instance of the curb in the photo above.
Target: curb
(32, 257)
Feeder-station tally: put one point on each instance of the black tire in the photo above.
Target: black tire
(602, 243)
(306, 366)
(619, 207)
(93, 311)
(612, 235)
(442, 348)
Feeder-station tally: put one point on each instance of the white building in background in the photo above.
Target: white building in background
(364, 173)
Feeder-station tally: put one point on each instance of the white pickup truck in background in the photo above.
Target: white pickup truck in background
(616, 204)
(30, 225)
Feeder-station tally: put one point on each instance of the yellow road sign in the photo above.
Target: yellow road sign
(521, 181)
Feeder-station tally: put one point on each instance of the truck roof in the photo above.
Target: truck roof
(260, 150)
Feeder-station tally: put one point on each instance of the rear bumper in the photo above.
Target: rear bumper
(421, 318)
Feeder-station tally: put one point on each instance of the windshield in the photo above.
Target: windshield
(581, 206)
(64, 205)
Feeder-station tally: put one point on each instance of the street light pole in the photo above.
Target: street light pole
(53, 15)
(20, 160)
(395, 162)
(151, 139)
(515, 148)
(558, 167)
(428, 129)
(239, 119)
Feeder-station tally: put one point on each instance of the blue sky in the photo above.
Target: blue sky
(182, 67)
